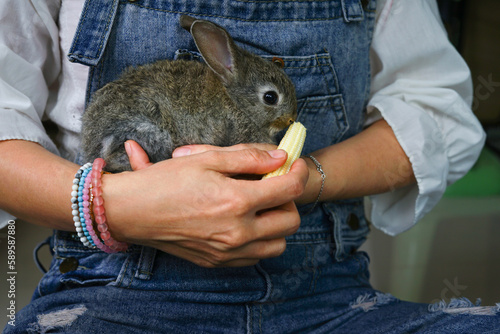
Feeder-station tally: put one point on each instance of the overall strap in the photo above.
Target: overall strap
(93, 31)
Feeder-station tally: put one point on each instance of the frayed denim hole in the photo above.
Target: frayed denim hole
(464, 306)
(57, 319)
(368, 302)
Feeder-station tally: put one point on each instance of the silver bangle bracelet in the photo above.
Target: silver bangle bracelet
(319, 168)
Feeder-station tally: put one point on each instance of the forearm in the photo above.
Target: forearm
(36, 184)
(369, 163)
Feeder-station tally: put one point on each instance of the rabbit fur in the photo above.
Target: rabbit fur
(236, 97)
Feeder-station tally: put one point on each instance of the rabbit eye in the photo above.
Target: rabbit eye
(270, 97)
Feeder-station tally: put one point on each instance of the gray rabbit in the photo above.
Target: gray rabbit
(238, 98)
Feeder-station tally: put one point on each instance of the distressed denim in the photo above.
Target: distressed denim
(320, 284)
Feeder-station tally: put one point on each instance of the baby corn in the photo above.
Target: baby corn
(292, 143)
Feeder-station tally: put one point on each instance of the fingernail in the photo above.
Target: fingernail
(181, 152)
(128, 148)
(277, 154)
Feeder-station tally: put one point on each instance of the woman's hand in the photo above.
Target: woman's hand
(191, 207)
(371, 162)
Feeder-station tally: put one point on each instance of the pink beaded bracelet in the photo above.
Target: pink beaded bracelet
(109, 244)
(87, 209)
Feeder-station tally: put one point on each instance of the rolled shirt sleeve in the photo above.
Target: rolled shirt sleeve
(30, 58)
(422, 87)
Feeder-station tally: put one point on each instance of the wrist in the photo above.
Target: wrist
(114, 196)
(313, 185)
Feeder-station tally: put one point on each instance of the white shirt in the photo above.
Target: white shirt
(420, 86)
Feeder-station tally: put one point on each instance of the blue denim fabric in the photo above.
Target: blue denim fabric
(321, 282)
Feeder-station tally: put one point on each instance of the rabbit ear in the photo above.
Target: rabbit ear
(216, 47)
(186, 22)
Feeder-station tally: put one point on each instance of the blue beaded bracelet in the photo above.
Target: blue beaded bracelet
(86, 239)
(75, 203)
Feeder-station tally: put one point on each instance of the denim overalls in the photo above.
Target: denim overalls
(320, 284)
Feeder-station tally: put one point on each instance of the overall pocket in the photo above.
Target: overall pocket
(320, 104)
(326, 115)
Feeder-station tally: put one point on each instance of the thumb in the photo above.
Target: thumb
(137, 156)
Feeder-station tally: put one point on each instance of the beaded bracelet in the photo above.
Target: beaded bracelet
(75, 204)
(84, 191)
(89, 220)
(82, 202)
(87, 203)
(99, 212)
(319, 168)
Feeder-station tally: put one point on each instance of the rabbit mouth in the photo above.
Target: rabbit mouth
(282, 122)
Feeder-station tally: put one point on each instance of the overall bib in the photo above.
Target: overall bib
(313, 287)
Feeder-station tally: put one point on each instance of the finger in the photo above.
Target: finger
(195, 149)
(276, 223)
(250, 254)
(137, 156)
(203, 259)
(192, 149)
(262, 249)
(275, 191)
(259, 146)
(248, 161)
(200, 148)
